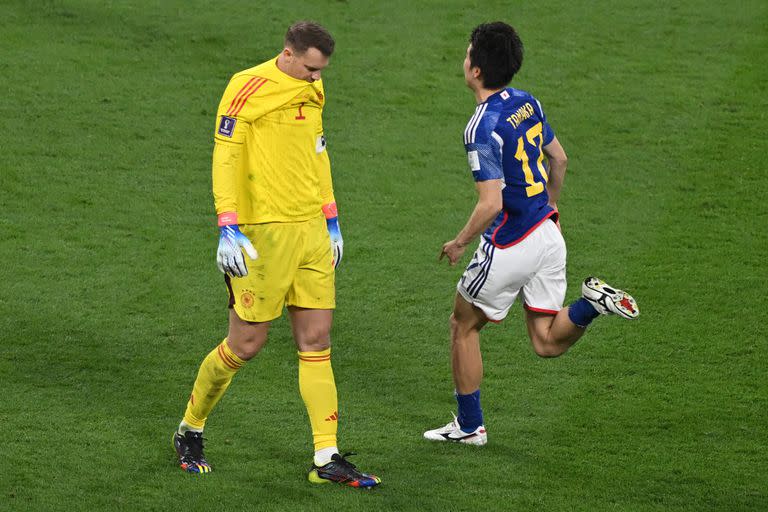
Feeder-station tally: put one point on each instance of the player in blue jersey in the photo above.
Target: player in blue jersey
(518, 166)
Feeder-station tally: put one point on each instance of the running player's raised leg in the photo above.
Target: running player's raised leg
(553, 334)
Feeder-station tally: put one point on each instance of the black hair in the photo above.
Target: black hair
(304, 35)
(498, 51)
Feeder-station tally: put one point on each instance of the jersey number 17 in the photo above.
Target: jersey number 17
(535, 138)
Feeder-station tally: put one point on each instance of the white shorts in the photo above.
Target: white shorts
(535, 266)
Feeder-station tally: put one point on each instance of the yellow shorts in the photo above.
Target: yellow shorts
(294, 268)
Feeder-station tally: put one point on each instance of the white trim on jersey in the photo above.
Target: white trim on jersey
(469, 124)
(474, 122)
(498, 139)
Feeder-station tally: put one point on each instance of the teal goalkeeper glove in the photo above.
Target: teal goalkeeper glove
(337, 243)
(229, 257)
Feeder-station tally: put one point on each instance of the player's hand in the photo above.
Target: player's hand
(337, 242)
(454, 250)
(229, 257)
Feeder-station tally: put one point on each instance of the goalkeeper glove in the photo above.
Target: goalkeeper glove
(229, 257)
(337, 243)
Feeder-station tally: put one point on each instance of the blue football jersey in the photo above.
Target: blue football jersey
(504, 140)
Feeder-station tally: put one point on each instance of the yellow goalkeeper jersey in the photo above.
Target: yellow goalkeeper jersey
(269, 161)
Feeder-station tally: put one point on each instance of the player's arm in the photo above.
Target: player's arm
(225, 158)
(329, 201)
(558, 161)
(229, 257)
(489, 204)
(484, 158)
(231, 127)
(325, 181)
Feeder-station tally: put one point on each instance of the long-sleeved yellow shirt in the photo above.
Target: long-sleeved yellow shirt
(270, 163)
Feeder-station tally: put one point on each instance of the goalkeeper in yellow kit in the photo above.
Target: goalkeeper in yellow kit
(274, 200)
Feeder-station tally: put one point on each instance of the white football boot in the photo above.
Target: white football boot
(452, 432)
(608, 300)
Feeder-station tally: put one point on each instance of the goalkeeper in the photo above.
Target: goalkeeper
(274, 200)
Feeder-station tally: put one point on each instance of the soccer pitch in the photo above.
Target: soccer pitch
(110, 297)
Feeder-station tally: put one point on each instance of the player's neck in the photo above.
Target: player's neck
(281, 65)
(482, 94)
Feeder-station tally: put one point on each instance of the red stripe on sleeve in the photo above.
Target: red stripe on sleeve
(242, 91)
(242, 101)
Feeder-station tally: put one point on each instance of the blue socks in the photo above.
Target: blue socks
(582, 313)
(470, 413)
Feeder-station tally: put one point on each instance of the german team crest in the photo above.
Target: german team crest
(246, 299)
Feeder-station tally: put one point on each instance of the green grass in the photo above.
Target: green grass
(109, 296)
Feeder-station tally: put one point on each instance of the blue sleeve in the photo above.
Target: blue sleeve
(483, 150)
(547, 130)
(485, 160)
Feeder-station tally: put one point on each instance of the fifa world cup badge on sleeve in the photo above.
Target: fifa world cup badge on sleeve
(227, 126)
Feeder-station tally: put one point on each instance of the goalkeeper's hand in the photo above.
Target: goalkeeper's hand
(229, 257)
(337, 243)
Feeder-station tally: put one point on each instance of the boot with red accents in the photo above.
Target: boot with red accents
(341, 471)
(189, 448)
(608, 300)
(453, 433)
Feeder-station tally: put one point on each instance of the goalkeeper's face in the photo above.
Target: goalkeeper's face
(306, 66)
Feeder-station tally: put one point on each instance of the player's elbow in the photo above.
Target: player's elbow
(559, 161)
(493, 205)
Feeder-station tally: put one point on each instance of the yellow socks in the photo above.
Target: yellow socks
(213, 379)
(316, 383)
(318, 389)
